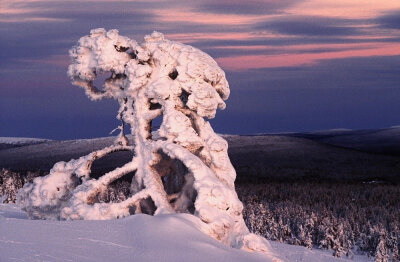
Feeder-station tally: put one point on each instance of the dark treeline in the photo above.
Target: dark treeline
(345, 218)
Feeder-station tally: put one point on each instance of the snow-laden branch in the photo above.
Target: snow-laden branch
(180, 166)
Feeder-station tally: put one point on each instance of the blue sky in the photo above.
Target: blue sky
(292, 65)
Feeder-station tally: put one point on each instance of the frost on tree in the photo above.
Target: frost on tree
(182, 167)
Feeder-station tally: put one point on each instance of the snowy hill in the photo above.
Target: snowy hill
(9, 142)
(21, 140)
(343, 155)
(380, 141)
(44, 155)
(136, 238)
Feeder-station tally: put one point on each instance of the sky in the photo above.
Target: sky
(292, 65)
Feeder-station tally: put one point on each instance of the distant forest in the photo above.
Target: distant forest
(345, 218)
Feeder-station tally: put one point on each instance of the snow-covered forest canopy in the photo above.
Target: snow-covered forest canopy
(181, 167)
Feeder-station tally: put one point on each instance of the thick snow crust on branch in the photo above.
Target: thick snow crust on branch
(183, 166)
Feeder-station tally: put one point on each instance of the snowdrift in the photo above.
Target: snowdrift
(142, 238)
(135, 238)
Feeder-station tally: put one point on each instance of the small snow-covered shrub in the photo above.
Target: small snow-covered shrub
(181, 166)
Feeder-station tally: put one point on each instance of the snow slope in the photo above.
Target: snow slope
(10, 142)
(283, 157)
(44, 155)
(385, 141)
(136, 238)
(21, 140)
(378, 141)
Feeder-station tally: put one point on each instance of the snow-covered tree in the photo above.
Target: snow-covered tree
(183, 166)
(10, 182)
(381, 254)
(338, 244)
(395, 253)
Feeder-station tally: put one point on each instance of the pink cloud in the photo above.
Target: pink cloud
(301, 47)
(188, 15)
(343, 8)
(194, 37)
(241, 63)
(56, 60)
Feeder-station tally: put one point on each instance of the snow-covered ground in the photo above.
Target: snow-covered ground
(13, 142)
(136, 238)
(21, 140)
(301, 254)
